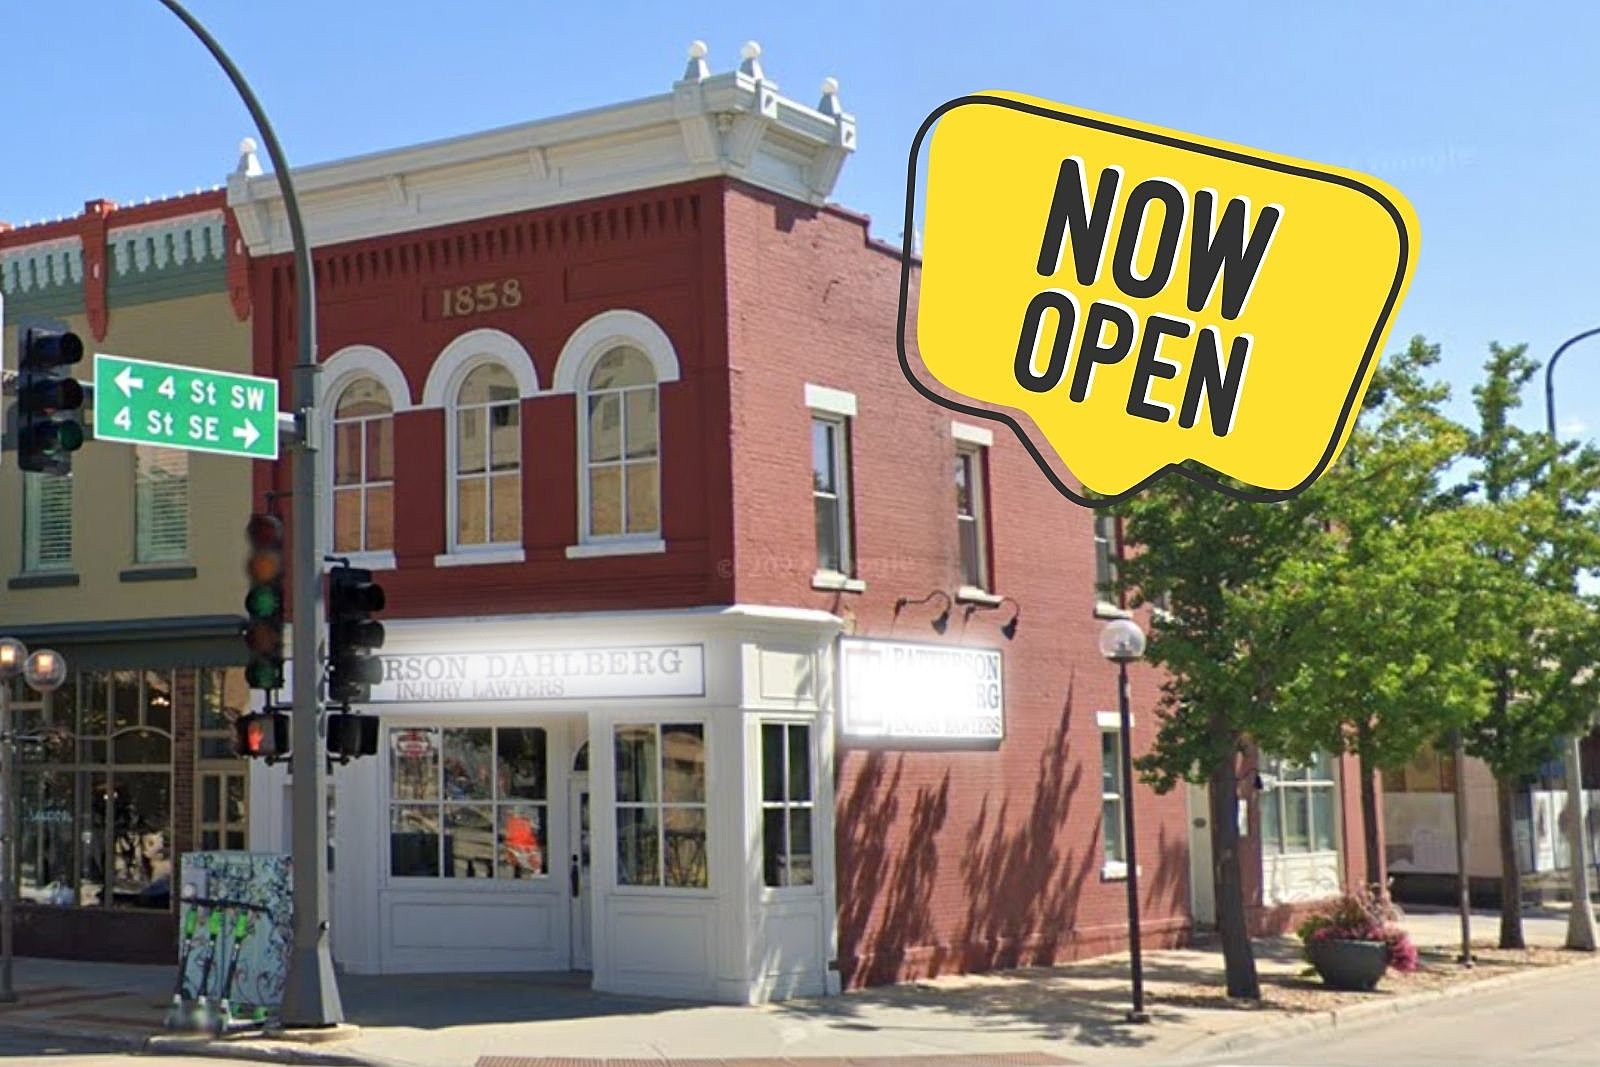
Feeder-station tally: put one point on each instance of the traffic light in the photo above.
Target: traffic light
(263, 604)
(262, 734)
(48, 400)
(353, 635)
(350, 736)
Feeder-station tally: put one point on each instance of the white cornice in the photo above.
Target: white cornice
(730, 124)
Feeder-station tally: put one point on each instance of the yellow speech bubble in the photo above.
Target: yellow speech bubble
(1129, 297)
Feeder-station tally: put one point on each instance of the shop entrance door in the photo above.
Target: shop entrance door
(578, 872)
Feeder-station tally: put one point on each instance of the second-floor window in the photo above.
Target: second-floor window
(972, 516)
(46, 523)
(830, 492)
(363, 469)
(1105, 558)
(160, 504)
(622, 447)
(487, 484)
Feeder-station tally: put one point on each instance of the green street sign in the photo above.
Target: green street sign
(141, 402)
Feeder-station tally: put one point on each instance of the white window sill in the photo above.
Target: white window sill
(1116, 872)
(372, 561)
(474, 557)
(1103, 610)
(642, 547)
(971, 594)
(833, 581)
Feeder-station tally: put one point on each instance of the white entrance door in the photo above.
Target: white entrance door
(1202, 886)
(578, 872)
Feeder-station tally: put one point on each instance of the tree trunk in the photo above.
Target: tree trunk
(1510, 870)
(1369, 815)
(1237, 955)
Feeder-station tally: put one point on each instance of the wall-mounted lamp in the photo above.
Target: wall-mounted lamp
(941, 621)
(1009, 627)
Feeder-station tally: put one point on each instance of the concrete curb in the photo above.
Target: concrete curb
(183, 1045)
(1276, 1033)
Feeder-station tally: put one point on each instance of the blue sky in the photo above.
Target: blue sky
(1483, 115)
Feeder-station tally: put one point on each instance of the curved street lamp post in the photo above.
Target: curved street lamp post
(1581, 920)
(311, 993)
(1581, 933)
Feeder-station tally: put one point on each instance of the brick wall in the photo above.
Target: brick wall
(947, 860)
(649, 251)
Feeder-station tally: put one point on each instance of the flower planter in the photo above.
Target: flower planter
(1353, 965)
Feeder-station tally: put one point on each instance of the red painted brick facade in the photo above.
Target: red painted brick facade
(947, 861)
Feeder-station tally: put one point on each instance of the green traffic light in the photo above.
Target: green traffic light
(263, 602)
(69, 436)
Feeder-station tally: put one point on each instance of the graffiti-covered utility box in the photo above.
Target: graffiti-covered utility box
(234, 925)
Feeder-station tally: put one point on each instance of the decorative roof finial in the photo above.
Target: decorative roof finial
(697, 69)
(249, 165)
(829, 104)
(751, 54)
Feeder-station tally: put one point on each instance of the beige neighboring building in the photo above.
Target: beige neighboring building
(1419, 827)
(132, 568)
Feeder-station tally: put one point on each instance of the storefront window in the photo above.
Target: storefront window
(222, 816)
(786, 806)
(1297, 806)
(95, 792)
(468, 802)
(661, 805)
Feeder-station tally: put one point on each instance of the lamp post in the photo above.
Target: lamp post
(1581, 933)
(1122, 642)
(44, 671)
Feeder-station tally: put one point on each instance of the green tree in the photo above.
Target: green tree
(1200, 554)
(1539, 529)
(1378, 607)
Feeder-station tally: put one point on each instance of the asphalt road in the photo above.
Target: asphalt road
(1552, 1023)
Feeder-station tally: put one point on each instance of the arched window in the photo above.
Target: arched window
(622, 447)
(363, 468)
(486, 495)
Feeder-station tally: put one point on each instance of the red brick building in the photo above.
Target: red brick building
(720, 663)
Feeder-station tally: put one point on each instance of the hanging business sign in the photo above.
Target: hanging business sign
(901, 691)
(638, 671)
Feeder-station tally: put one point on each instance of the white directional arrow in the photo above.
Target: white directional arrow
(247, 433)
(127, 382)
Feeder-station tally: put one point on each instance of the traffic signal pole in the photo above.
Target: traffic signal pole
(311, 996)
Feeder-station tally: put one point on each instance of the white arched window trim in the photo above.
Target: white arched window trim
(459, 359)
(339, 372)
(465, 353)
(588, 343)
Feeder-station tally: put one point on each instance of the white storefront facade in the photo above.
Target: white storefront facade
(643, 795)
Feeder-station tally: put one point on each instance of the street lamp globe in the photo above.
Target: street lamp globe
(1122, 641)
(46, 670)
(13, 654)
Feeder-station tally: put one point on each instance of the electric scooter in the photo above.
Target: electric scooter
(202, 1015)
(223, 1021)
(177, 1015)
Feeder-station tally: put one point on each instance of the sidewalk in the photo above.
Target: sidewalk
(1069, 1014)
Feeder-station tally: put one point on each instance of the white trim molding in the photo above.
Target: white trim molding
(972, 435)
(619, 326)
(469, 350)
(467, 557)
(832, 401)
(363, 361)
(635, 546)
(834, 582)
(1110, 720)
(735, 124)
